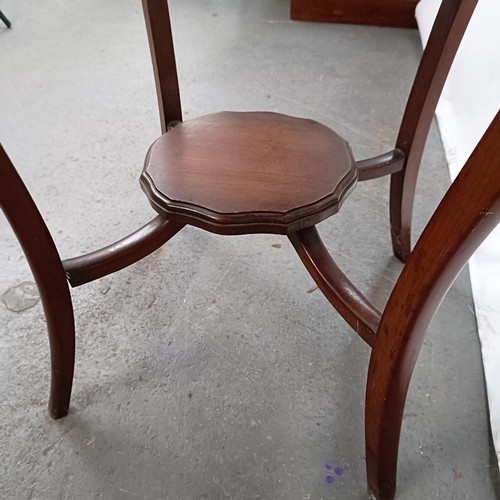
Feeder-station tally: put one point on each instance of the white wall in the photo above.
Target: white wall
(470, 100)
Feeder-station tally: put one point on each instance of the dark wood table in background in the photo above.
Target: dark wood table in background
(396, 13)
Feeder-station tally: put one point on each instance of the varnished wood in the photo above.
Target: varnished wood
(355, 308)
(444, 40)
(379, 166)
(467, 214)
(51, 274)
(402, 163)
(236, 173)
(45, 264)
(161, 44)
(396, 13)
(123, 253)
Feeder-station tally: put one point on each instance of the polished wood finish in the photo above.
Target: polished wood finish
(45, 264)
(444, 40)
(468, 213)
(239, 173)
(355, 308)
(52, 275)
(395, 13)
(380, 166)
(402, 163)
(161, 45)
(123, 253)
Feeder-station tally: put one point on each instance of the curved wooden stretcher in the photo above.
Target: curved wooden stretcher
(240, 173)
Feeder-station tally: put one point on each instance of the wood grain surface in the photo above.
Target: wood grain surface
(249, 172)
(395, 13)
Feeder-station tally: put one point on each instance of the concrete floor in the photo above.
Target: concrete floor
(207, 370)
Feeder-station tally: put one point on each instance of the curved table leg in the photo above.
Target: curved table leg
(44, 261)
(58, 310)
(401, 211)
(51, 274)
(467, 214)
(454, 232)
(447, 32)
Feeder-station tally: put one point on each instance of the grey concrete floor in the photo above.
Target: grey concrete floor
(207, 370)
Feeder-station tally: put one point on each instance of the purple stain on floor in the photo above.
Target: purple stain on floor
(330, 478)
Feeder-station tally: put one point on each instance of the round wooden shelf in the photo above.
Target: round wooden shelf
(237, 173)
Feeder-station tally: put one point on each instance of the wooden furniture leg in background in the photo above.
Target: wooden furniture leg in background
(5, 20)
